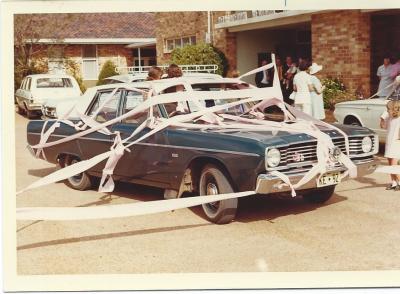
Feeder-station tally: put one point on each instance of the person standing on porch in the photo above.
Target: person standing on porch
(385, 79)
(302, 87)
(317, 100)
(289, 70)
(264, 78)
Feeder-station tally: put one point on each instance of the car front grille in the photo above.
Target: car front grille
(49, 111)
(301, 155)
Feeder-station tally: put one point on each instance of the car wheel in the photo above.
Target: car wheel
(320, 195)
(19, 109)
(352, 121)
(212, 182)
(80, 181)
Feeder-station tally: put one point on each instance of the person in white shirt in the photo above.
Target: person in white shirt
(302, 87)
(317, 101)
(385, 79)
(390, 120)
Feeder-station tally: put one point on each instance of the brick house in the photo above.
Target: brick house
(350, 44)
(90, 39)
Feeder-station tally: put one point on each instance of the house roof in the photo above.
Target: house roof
(91, 25)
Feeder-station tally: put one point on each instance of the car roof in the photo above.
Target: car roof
(160, 85)
(126, 78)
(39, 76)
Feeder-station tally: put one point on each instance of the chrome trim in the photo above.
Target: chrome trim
(165, 146)
(267, 183)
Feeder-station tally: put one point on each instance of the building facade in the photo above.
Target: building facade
(350, 44)
(90, 39)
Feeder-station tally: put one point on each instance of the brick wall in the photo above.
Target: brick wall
(179, 24)
(118, 54)
(341, 43)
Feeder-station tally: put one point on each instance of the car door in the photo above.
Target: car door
(96, 143)
(147, 160)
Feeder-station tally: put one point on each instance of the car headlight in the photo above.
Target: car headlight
(272, 157)
(366, 144)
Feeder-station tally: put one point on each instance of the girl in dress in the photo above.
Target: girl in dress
(391, 120)
(317, 101)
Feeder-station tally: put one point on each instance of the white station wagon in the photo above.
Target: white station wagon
(35, 90)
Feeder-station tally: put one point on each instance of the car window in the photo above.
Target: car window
(28, 84)
(132, 100)
(109, 111)
(54, 83)
(22, 87)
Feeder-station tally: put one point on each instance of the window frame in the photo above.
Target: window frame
(123, 103)
(96, 97)
(173, 39)
(28, 84)
(22, 86)
(90, 59)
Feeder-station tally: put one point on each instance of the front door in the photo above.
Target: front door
(96, 143)
(147, 160)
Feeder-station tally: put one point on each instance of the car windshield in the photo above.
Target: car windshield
(173, 109)
(54, 83)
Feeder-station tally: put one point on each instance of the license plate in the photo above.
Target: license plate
(328, 179)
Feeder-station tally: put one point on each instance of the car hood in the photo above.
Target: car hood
(45, 95)
(53, 102)
(358, 103)
(285, 138)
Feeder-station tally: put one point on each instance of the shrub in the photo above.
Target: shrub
(335, 92)
(199, 54)
(107, 70)
(34, 66)
(73, 69)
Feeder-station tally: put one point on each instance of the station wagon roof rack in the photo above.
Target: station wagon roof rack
(205, 68)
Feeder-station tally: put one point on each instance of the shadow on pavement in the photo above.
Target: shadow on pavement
(107, 236)
(256, 208)
(269, 208)
(42, 172)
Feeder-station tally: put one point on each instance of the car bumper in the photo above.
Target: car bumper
(267, 183)
(34, 106)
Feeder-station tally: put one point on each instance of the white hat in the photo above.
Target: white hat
(314, 68)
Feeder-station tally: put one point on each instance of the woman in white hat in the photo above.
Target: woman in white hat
(317, 101)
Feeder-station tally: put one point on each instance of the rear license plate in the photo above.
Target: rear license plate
(328, 179)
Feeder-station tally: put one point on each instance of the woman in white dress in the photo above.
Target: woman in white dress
(301, 90)
(317, 101)
(390, 120)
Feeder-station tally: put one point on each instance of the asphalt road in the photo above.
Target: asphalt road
(357, 229)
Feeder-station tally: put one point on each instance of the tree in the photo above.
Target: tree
(199, 54)
(30, 55)
(108, 70)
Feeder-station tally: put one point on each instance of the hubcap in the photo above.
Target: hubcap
(212, 189)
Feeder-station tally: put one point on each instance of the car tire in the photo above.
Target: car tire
(29, 113)
(212, 182)
(352, 121)
(19, 109)
(320, 195)
(81, 181)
